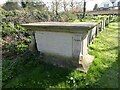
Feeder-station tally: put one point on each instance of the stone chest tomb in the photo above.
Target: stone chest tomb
(66, 40)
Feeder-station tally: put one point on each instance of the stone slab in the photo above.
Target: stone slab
(60, 26)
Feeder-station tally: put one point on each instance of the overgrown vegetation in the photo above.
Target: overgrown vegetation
(27, 71)
(23, 69)
(15, 39)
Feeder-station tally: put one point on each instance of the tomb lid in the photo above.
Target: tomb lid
(60, 26)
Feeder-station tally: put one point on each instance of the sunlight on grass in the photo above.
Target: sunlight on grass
(32, 73)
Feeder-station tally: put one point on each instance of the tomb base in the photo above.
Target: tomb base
(69, 63)
(85, 63)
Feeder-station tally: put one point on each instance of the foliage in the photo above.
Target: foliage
(37, 5)
(115, 18)
(27, 71)
(22, 68)
(39, 15)
(68, 17)
(24, 3)
(15, 38)
(11, 6)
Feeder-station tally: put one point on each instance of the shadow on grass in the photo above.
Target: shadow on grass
(110, 77)
(107, 77)
(29, 72)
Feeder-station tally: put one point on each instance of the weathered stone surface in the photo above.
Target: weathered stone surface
(54, 42)
(32, 45)
(60, 26)
(85, 63)
(65, 43)
(91, 35)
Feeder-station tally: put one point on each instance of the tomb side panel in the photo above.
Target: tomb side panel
(54, 42)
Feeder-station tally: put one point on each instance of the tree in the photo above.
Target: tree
(72, 4)
(11, 6)
(95, 7)
(55, 6)
(84, 9)
(65, 4)
(23, 3)
(34, 4)
(75, 6)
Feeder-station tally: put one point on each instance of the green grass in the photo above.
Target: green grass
(27, 71)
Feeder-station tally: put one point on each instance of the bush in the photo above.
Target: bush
(11, 6)
(15, 38)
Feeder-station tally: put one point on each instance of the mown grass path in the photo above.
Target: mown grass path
(29, 72)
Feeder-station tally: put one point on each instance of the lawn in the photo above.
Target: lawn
(27, 71)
